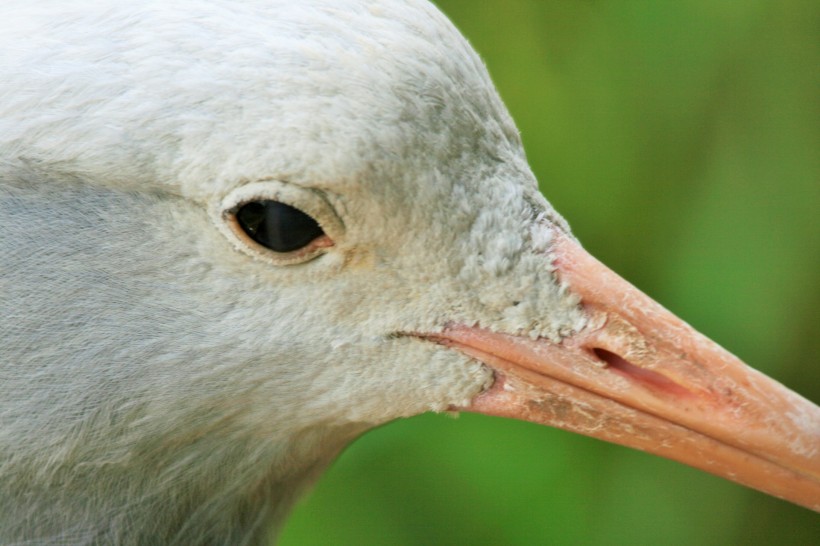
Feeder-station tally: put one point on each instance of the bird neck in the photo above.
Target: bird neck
(185, 496)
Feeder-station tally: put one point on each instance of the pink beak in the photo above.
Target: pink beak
(639, 376)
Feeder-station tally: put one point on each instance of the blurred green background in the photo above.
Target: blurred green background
(682, 142)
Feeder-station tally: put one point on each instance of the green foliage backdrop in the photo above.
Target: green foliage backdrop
(681, 141)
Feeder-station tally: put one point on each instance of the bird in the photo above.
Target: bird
(236, 236)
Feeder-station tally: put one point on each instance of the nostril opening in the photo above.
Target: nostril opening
(646, 377)
(610, 358)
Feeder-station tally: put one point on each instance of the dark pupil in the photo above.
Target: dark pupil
(277, 226)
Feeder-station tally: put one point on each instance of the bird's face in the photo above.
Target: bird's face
(285, 226)
(161, 145)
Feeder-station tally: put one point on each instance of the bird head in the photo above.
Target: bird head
(236, 236)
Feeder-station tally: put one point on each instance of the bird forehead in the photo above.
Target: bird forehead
(199, 97)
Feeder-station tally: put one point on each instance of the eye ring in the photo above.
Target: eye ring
(273, 206)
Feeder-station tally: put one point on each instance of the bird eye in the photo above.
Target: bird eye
(277, 226)
(279, 222)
